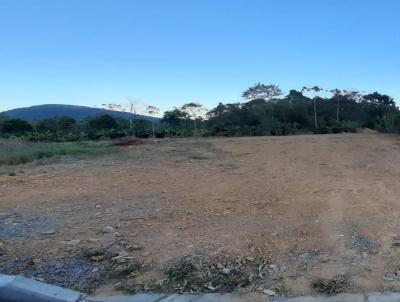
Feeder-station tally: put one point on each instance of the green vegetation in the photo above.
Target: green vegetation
(13, 152)
(265, 112)
(334, 286)
(180, 272)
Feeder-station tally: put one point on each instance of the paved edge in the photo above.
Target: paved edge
(21, 289)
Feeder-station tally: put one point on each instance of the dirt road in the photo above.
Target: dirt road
(292, 209)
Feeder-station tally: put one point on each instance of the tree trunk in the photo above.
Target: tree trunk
(272, 111)
(131, 126)
(337, 111)
(315, 114)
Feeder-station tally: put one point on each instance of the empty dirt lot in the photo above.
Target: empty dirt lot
(277, 213)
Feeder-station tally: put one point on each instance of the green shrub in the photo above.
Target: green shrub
(338, 127)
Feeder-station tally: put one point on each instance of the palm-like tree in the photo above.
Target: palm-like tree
(315, 90)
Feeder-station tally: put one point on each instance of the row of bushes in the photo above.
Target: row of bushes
(80, 132)
(261, 115)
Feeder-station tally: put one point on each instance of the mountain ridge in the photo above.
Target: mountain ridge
(77, 112)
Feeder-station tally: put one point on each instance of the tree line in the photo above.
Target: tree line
(265, 110)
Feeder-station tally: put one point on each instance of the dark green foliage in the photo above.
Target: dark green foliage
(16, 126)
(180, 272)
(344, 112)
(16, 152)
(389, 122)
(103, 122)
(336, 285)
(263, 113)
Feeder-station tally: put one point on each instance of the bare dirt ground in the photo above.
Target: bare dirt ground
(279, 213)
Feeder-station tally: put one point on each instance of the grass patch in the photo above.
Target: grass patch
(197, 157)
(123, 271)
(334, 286)
(5, 173)
(181, 271)
(14, 152)
(97, 255)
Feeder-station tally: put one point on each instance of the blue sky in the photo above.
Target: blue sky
(89, 52)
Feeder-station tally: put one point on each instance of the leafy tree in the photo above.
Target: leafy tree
(194, 111)
(379, 99)
(103, 122)
(262, 91)
(259, 94)
(315, 90)
(152, 111)
(295, 95)
(175, 118)
(66, 123)
(337, 94)
(2, 120)
(133, 105)
(16, 126)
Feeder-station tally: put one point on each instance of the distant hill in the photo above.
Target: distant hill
(41, 112)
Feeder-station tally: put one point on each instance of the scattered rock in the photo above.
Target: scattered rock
(135, 247)
(274, 268)
(389, 277)
(97, 258)
(226, 271)
(73, 242)
(98, 215)
(364, 244)
(303, 257)
(269, 292)
(48, 232)
(251, 259)
(108, 229)
(1, 244)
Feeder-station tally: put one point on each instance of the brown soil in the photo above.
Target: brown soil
(314, 207)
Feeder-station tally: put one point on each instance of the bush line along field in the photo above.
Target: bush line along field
(14, 152)
(265, 112)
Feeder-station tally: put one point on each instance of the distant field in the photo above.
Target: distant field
(296, 215)
(14, 152)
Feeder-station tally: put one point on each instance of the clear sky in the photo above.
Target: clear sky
(168, 52)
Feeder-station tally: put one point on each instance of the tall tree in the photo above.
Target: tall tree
(103, 122)
(337, 95)
(379, 99)
(152, 111)
(262, 91)
(195, 111)
(133, 107)
(174, 118)
(315, 90)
